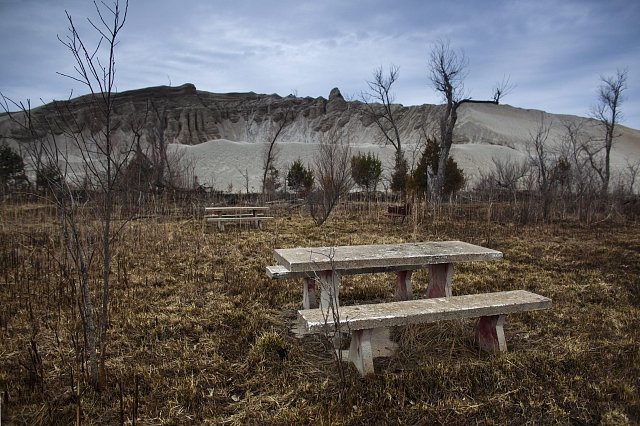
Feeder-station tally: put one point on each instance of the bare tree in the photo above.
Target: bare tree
(551, 168)
(447, 74)
(158, 145)
(95, 69)
(104, 157)
(607, 112)
(582, 180)
(272, 151)
(245, 177)
(448, 70)
(502, 89)
(629, 177)
(508, 174)
(333, 175)
(378, 106)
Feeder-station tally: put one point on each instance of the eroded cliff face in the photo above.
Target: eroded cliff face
(188, 116)
(225, 134)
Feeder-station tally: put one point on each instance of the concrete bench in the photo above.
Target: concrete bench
(362, 321)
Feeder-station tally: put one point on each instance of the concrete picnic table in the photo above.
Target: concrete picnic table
(327, 264)
(222, 214)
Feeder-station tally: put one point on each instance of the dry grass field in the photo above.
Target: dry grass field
(200, 335)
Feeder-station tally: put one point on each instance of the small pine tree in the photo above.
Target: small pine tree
(399, 177)
(48, 177)
(11, 166)
(366, 171)
(299, 178)
(428, 167)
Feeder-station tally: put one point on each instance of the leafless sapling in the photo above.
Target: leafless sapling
(272, 151)
(608, 114)
(378, 106)
(332, 175)
(104, 157)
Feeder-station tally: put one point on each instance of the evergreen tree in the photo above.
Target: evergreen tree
(366, 171)
(11, 166)
(399, 177)
(48, 177)
(427, 168)
(300, 178)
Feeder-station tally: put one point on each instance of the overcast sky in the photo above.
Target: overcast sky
(553, 51)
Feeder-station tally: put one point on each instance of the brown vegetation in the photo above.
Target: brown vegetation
(199, 334)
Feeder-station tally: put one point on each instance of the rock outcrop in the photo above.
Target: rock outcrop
(189, 116)
(336, 101)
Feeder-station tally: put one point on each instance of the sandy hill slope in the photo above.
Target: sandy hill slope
(224, 135)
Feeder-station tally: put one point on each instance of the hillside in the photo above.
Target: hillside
(224, 134)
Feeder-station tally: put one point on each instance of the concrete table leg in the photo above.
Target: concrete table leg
(329, 290)
(360, 351)
(403, 285)
(309, 294)
(440, 280)
(490, 333)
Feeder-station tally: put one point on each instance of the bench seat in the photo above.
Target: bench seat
(361, 320)
(236, 218)
(234, 215)
(220, 220)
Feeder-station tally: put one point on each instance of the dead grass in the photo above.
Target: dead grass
(200, 335)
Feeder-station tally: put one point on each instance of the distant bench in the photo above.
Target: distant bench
(222, 215)
(363, 321)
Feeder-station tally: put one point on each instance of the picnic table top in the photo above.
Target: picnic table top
(304, 259)
(236, 208)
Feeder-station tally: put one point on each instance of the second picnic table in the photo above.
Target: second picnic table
(326, 264)
(220, 215)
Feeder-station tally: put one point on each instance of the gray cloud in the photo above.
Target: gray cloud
(554, 52)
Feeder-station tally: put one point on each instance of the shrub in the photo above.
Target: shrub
(366, 171)
(427, 168)
(11, 167)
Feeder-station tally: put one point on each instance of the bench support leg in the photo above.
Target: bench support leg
(360, 351)
(309, 294)
(403, 285)
(490, 333)
(220, 226)
(440, 280)
(329, 290)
